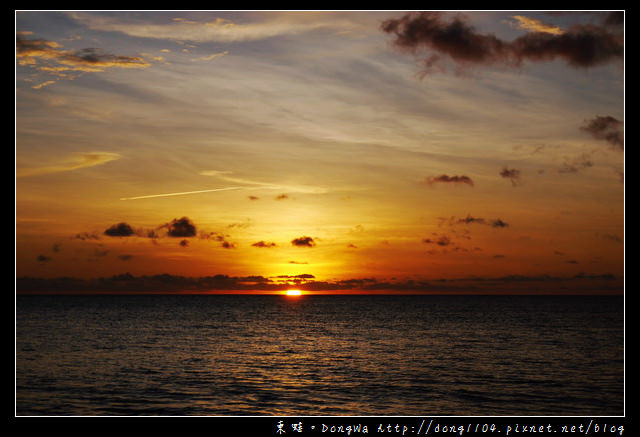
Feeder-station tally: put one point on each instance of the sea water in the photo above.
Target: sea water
(356, 355)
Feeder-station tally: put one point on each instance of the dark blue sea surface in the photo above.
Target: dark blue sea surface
(257, 355)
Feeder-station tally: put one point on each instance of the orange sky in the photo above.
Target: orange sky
(331, 149)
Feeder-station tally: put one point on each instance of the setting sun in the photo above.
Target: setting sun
(294, 292)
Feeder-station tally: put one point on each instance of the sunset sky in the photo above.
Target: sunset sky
(433, 151)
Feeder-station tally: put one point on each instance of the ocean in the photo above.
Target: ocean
(340, 355)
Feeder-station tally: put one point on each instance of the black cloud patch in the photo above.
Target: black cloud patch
(512, 174)
(264, 244)
(442, 240)
(181, 228)
(449, 180)
(119, 230)
(580, 283)
(606, 128)
(469, 219)
(498, 223)
(303, 242)
(454, 38)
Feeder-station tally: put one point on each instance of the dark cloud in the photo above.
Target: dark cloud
(298, 262)
(512, 174)
(581, 46)
(302, 276)
(119, 230)
(442, 240)
(581, 283)
(606, 128)
(125, 257)
(184, 243)
(56, 247)
(453, 38)
(498, 223)
(303, 242)
(43, 258)
(181, 228)
(614, 18)
(228, 245)
(282, 197)
(253, 197)
(264, 244)
(469, 219)
(449, 180)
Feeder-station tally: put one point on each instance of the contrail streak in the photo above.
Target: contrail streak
(180, 193)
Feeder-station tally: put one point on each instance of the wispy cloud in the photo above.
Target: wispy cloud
(211, 57)
(534, 25)
(215, 30)
(74, 161)
(225, 175)
(180, 193)
(577, 163)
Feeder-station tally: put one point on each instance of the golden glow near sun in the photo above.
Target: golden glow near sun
(329, 196)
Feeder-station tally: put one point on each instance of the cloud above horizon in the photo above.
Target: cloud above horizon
(455, 39)
(213, 30)
(303, 242)
(534, 25)
(512, 174)
(512, 284)
(446, 179)
(120, 230)
(469, 219)
(606, 128)
(74, 161)
(262, 243)
(50, 57)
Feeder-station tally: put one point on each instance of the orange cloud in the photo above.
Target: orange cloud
(536, 25)
(49, 56)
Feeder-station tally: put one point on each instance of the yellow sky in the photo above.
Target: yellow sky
(314, 144)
